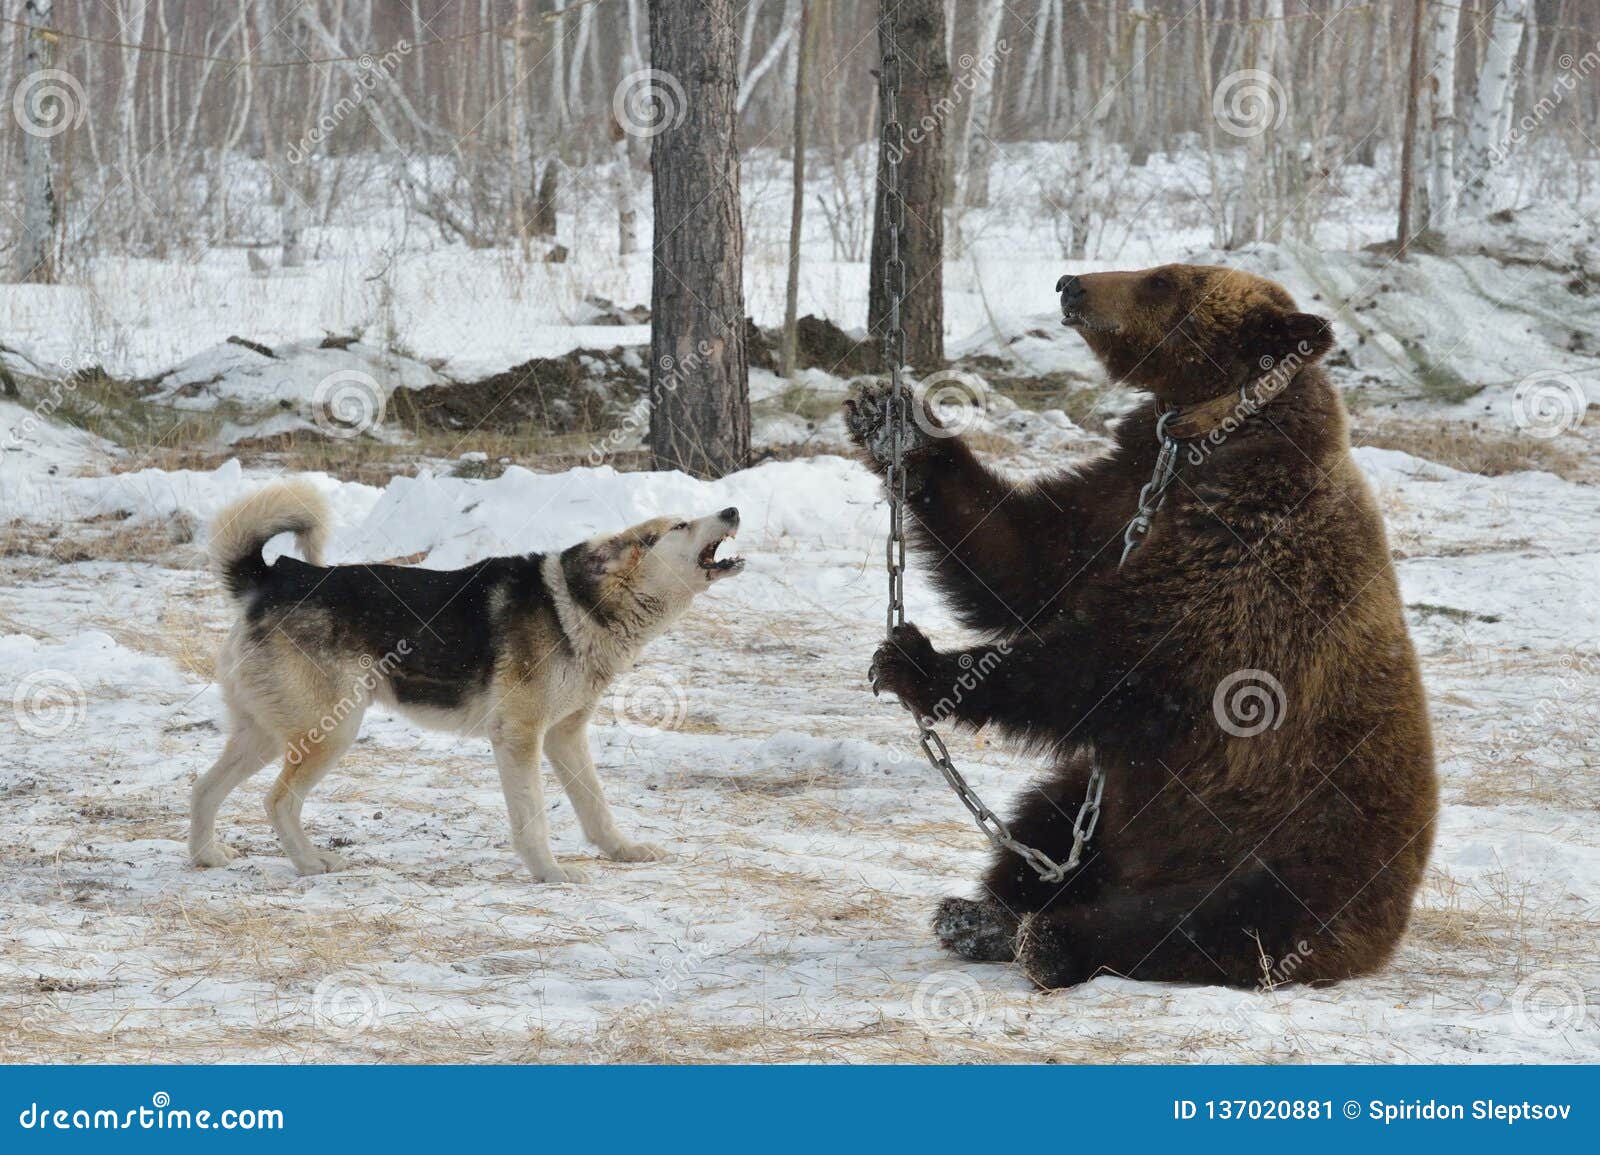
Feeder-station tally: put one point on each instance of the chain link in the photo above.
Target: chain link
(1154, 492)
(897, 420)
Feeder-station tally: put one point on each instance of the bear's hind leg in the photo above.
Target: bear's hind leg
(1205, 932)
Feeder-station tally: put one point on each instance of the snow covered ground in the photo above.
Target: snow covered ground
(809, 840)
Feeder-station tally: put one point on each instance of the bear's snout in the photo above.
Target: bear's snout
(1072, 294)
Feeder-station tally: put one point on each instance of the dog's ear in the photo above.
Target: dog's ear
(616, 554)
(1275, 336)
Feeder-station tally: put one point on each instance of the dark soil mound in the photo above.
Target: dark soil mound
(582, 391)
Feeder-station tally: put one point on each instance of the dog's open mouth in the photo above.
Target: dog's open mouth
(716, 567)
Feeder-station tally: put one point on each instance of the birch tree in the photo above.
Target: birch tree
(1484, 146)
(1441, 82)
(37, 248)
(978, 152)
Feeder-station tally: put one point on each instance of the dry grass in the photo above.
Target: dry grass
(112, 537)
(1473, 448)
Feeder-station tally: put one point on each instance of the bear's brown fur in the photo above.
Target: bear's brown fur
(1242, 840)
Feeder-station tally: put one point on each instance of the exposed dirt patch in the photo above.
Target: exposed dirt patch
(579, 392)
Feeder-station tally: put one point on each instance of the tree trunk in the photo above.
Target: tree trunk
(1408, 145)
(36, 248)
(699, 387)
(924, 82)
(622, 191)
(1138, 87)
(544, 213)
(1256, 205)
(1484, 149)
(1442, 114)
(797, 202)
(979, 151)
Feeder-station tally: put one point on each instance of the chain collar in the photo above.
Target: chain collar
(1154, 492)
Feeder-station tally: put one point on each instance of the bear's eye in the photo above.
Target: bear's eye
(1158, 282)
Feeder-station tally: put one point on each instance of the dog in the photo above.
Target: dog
(518, 649)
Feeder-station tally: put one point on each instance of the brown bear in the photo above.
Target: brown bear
(1241, 674)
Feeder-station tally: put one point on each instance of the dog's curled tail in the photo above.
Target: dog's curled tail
(240, 531)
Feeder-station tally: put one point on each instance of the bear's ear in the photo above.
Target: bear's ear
(1279, 335)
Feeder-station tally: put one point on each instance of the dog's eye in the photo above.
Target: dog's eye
(649, 541)
(680, 525)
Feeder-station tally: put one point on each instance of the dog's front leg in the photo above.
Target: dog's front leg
(568, 747)
(516, 753)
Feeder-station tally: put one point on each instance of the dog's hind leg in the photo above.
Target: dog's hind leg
(516, 753)
(308, 758)
(249, 748)
(567, 743)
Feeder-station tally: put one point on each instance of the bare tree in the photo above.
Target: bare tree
(797, 203)
(1408, 145)
(1441, 84)
(924, 81)
(36, 251)
(699, 386)
(1489, 105)
(979, 151)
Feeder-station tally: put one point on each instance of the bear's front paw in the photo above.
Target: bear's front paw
(1046, 954)
(907, 666)
(980, 931)
(866, 414)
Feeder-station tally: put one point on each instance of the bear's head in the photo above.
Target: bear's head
(1189, 333)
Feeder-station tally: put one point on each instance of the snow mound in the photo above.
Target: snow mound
(340, 387)
(31, 443)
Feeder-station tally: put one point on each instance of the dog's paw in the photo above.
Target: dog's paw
(319, 862)
(213, 853)
(1046, 955)
(638, 852)
(555, 875)
(980, 931)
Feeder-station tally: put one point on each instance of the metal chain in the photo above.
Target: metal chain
(1154, 492)
(897, 420)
